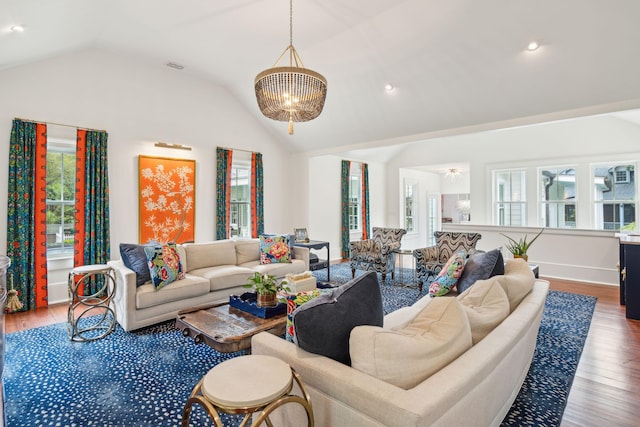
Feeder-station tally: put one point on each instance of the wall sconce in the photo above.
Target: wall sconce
(176, 146)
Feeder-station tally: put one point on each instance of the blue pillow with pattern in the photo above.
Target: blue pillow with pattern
(164, 265)
(274, 249)
(449, 275)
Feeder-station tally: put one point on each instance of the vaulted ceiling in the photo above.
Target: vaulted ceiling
(455, 65)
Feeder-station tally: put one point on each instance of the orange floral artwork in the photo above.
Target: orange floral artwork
(167, 199)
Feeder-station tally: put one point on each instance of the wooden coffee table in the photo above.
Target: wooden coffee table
(225, 328)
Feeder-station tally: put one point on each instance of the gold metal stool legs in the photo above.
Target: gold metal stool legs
(265, 410)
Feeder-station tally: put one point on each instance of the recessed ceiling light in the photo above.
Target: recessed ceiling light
(533, 46)
(174, 65)
(388, 87)
(16, 28)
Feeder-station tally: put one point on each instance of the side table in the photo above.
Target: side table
(245, 385)
(322, 263)
(400, 254)
(98, 303)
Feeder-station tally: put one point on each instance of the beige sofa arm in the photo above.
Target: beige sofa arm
(125, 295)
(302, 253)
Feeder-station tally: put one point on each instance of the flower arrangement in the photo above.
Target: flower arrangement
(520, 247)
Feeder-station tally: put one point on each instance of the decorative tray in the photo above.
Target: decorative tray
(247, 302)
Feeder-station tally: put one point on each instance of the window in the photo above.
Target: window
(433, 217)
(61, 169)
(409, 207)
(240, 221)
(355, 192)
(614, 192)
(558, 197)
(509, 197)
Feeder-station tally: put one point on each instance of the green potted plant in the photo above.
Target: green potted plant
(520, 247)
(266, 288)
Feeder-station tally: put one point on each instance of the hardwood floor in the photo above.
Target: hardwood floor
(607, 383)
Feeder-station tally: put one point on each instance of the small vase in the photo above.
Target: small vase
(523, 256)
(266, 300)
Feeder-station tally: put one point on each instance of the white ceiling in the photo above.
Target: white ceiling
(456, 64)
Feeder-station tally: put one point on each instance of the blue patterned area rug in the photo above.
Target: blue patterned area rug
(144, 378)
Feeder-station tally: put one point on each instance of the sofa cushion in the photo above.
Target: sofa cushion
(135, 259)
(517, 281)
(486, 305)
(449, 275)
(481, 266)
(247, 250)
(164, 265)
(279, 269)
(224, 276)
(210, 254)
(274, 249)
(322, 326)
(406, 357)
(189, 287)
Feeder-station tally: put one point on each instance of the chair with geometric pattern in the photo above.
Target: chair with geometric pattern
(378, 253)
(430, 260)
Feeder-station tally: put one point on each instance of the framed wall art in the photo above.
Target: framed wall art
(167, 199)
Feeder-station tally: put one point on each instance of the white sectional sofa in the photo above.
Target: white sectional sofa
(214, 270)
(477, 388)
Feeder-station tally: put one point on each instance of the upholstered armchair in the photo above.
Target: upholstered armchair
(378, 253)
(430, 260)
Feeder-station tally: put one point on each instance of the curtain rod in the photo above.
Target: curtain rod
(238, 149)
(59, 124)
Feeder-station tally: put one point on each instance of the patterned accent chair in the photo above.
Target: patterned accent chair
(378, 253)
(430, 260)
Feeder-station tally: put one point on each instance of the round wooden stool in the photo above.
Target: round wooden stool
(98, 303)
(247, 384)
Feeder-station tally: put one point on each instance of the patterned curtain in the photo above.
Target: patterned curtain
(257, 195)
(344, 182)
(27, 212)
(223, 192)
(365, 202)
(91, 245)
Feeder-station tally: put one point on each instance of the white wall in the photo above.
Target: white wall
(576, 255)
(138, 104)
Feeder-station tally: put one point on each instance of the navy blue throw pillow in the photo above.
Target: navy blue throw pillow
(481, 266)
(134, 258)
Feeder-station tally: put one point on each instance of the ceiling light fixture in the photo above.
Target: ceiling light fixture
(533, 46)
(174, 65)
(452, 174)
(388, 87)
(292, 93)
(16, 28)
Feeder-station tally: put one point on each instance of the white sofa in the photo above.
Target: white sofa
(214, 270)
(476, 389)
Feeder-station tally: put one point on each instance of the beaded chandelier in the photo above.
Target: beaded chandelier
(290, 93)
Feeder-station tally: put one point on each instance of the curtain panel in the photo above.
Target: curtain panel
(26, 212)
(257, 195)
(365, 202)
(223, 192)
(92, 241)
(344, 230)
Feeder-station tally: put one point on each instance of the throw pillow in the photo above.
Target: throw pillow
(435, 337)
(323, 326)
(486, 305)
(481, 266)
(164, 265)
(296, 300)
(274, 249)
(135, 259)
(449, 275)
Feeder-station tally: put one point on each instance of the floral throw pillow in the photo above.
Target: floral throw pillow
(449, 275)
(274, 249)
(164, 265)
(296, 300)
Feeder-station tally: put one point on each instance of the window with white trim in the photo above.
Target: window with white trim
(61, 185)
(410, 206)
(557, 196)
(355, 201)
(509, 195)
(240, 204)
(615, 202)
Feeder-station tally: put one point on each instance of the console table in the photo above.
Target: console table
(321, 263)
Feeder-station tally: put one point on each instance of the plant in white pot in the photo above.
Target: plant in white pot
(266, 287)
(519, 248)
